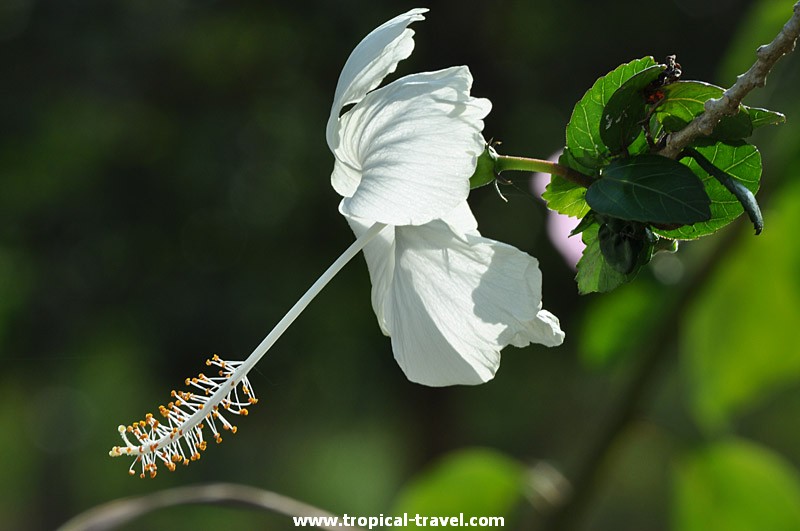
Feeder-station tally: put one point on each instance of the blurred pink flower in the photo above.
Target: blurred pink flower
(558, 225)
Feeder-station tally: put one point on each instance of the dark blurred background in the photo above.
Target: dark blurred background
(164, 195)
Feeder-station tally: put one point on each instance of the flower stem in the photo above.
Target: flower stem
(507, 163)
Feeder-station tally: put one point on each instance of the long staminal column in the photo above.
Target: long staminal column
(179, 439)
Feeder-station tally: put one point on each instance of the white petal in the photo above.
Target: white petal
(379, 254)
(375, 57)
(462, 220)
(451, 302)
(408, 149)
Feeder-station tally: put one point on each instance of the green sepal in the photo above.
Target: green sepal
(484, 171)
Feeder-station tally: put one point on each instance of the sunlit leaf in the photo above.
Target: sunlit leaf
(565, 196)
(594, 273)
(762, 117)
(685, 100)
(583, 129)
(624, 113)
(746, 198)
(741, 161)
(736, 486)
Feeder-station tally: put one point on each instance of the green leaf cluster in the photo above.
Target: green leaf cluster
(637, 196)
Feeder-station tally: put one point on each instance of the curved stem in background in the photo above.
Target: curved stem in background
(118, 512)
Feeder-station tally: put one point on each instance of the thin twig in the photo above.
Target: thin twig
(728, 104)
(118, 512)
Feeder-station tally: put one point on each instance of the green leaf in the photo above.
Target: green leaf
(739, 338)
(476, 482)
(740, 191)
(736, 486)
(585, 151)
(565, 196)
(733, 128)
(649, 189)
(625, 111)
(583, 129)
(760, 117)
(484, 171)
(585, 222)
(594, 273)
(741, 161)
(685, 100)
(639, 146)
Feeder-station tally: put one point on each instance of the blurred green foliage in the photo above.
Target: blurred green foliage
(738, 486)
(476, 482)
(165, 195)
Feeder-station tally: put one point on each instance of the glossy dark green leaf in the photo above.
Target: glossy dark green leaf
(624, 113)
(583, 129)
(484, 171)
(649, 189)
(742, 162)
(594, 273)
(565, 196)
